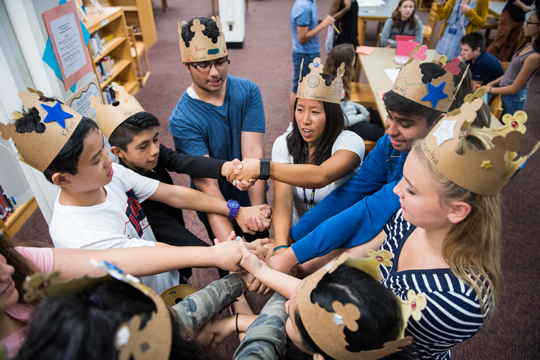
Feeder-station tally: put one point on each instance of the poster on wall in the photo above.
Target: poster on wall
(80, 102)
(64, 29)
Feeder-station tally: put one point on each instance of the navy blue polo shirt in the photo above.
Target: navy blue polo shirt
(515, 12)
(486, 68)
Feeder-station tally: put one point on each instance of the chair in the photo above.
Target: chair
(361, 93)
(420, 5)
(492, 23)
(496, 106)
(138, 48)
(429, 30)
(505, 65)
(369, 145)
(379, 40)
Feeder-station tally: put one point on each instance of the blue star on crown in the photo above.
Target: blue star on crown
(55, 113)
(435, 93)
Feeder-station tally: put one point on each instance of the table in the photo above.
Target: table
(374, 65)
(377, 13)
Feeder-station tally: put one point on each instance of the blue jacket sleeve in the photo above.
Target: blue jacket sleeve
(354, 226)
(371, 177)
(385, 34)
(419, 32)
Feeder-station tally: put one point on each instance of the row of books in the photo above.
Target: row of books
(7, 205)
(104, 68)
(109, 94)
(96, 43)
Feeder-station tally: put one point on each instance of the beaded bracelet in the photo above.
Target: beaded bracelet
(280, 247)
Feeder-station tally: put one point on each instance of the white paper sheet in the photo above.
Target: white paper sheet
(392, 74)
(370, 3)
(68, 44)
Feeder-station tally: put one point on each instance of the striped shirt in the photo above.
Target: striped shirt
(453, 312)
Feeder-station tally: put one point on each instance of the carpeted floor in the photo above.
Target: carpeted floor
(513, 331)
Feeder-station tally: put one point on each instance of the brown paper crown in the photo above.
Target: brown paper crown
(313, 86)
(432, 84)
(111, 116)
(153, 342)
(483, 172)
(39, 149)
(326, 329)
(201, 47)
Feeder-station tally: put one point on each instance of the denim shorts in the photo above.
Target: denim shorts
(297, 61)
(513, 103)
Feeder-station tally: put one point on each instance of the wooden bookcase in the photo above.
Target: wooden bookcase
(139, 14)
(18, 218)
(112, 20)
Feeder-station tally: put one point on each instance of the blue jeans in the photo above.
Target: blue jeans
(297, 61)
(513, 103)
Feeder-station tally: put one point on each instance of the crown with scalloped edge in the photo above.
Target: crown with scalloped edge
(109, 117)
(326, 329)
(432, 84)
(483, 172)
(153, 341)
(201, 47)
(314, 86)
(38, 149)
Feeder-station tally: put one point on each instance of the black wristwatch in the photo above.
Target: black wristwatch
(265, 169)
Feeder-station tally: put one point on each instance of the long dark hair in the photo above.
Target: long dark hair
(396, 17)
(83, 326)
(536, 43)
(342, 53)
(335, 123)
(23, 266)
(379, 307)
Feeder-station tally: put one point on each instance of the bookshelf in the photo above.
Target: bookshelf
(18, 218)
(112, 21)
(140, 15)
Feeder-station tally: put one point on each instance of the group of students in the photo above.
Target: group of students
(422, 210)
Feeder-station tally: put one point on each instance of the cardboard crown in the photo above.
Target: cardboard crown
(483, 172)
(201, 47)
(326, 329)
(432, 84)
(313, 85)
(111, 116)
(39, 149)
(153, 342)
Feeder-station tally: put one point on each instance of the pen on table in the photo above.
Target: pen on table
(335, 28)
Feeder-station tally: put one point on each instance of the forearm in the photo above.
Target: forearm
(505, 90)
(139, 261)
(276, 280)
(338, 15)
(496, 82)
(302, 175)
(257, 193)
(283, 212)
(521, 5)
(311, 33)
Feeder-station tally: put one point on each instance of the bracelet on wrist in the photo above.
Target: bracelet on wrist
(280, 247)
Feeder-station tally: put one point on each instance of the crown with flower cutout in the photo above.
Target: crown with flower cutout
(432, 84)
(201, 47)
(326, 329)
(39, 148)
(483, 172)
(152, 342)
(314, 86)
(109, 117)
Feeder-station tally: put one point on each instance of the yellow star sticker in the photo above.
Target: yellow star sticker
(486, 164)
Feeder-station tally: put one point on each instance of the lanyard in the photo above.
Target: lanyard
(304, 190)
(459, 14)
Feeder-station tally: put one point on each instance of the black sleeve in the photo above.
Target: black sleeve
(197, 166)
(167, 229)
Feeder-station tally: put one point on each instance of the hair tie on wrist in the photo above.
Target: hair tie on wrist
(280, 247)
(237, 331)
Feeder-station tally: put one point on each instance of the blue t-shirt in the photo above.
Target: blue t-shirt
(200, 128)
(304, 13)
(356, 211)
(486, 68)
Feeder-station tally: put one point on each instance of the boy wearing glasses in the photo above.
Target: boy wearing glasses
(218, 116)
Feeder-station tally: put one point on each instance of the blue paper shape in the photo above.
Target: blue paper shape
(55, 113)
(50, 59)
(435, 93)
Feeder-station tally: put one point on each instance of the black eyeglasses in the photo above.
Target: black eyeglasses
(206, 66)
(529, 22)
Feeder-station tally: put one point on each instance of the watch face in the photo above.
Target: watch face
(234, 205)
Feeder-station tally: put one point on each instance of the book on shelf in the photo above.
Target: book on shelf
(109, 94)
(104, 68)
(96, 43)
(7, 205)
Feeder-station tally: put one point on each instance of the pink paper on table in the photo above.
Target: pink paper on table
(381, 94)
(365, 50)
(404, 47)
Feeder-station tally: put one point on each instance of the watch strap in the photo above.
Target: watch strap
(233, 206)
(265, 169)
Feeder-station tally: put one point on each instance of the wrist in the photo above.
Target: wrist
(234, 209)
(264, 169)
(225, 169)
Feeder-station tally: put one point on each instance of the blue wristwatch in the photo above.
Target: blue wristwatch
(233, 206)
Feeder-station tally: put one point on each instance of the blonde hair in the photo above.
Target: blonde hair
(341, 53)
(472, 248)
